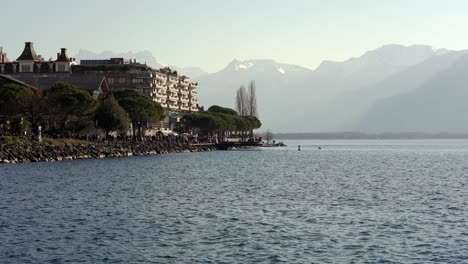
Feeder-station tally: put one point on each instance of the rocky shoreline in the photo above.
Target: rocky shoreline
(45, 151)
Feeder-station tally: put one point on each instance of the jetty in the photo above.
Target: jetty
(227, 145)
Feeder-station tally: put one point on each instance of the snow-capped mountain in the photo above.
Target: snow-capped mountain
(274, 81)
(260, 66)
(337, 96)
(333, 97)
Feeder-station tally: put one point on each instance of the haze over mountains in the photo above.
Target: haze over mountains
(390, 89)
(142, 56)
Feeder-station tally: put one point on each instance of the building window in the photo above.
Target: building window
(61, 68)
(121, 80)
(137, 81)
(25, 68)
(110, 80)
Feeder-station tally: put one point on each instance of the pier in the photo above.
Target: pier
(226, 145)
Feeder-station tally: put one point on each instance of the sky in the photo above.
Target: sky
(211, 33)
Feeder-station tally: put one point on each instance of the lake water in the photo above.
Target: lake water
(350, 202)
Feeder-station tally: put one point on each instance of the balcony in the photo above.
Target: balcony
(164, 105)
(184, 108)
(184, 91)
(158, 95)
(173, 106)
(160, 85)
(160, 76)
(172, 79)
(193, 93)
(184, 100)
(194, 109)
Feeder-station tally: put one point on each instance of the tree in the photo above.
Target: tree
(69, 103)
(8, 97)
(241, 101)
(33, 106)
(223, 110)
(254, 122)
(27, 102)
(220, 119)
(252, 100)
(111, 116)
(140, 108)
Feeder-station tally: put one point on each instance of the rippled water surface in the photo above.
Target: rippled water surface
(351, 202)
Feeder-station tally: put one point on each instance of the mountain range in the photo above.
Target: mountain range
(393, 88)
(142, 57)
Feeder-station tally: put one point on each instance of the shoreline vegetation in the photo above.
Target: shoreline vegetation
(67, 123)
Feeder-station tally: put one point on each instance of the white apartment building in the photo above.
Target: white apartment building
(175, 93)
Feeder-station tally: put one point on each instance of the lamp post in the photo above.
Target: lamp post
(139, 130)
(39, 136)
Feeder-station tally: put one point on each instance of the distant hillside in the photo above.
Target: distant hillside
(392, 88)
(439, 105)
(293, 98)
(347, 108)
(276, 84)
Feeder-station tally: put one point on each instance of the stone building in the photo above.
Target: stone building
(175, 93)
(29, 62)
(119, 73)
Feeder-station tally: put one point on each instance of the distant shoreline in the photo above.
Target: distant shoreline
(369, 136)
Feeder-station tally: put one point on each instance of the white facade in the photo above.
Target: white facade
(175, 93)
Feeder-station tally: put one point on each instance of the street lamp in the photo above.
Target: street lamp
(39, 137)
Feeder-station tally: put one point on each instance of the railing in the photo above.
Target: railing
(160, 76)
(173, 98)
(172, 79)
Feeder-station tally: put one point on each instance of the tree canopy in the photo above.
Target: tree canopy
(67, 102)
(223, 110)
(8, 98)
(111, 116)
(24, 101)
(218, 119)
(140, 108)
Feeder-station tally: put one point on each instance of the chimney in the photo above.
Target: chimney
(58, 55)
(64, 52)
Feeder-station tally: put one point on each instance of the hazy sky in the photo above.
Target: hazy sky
(210, 33)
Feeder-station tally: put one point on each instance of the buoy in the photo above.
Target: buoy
(299, 148)
(319, 147)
